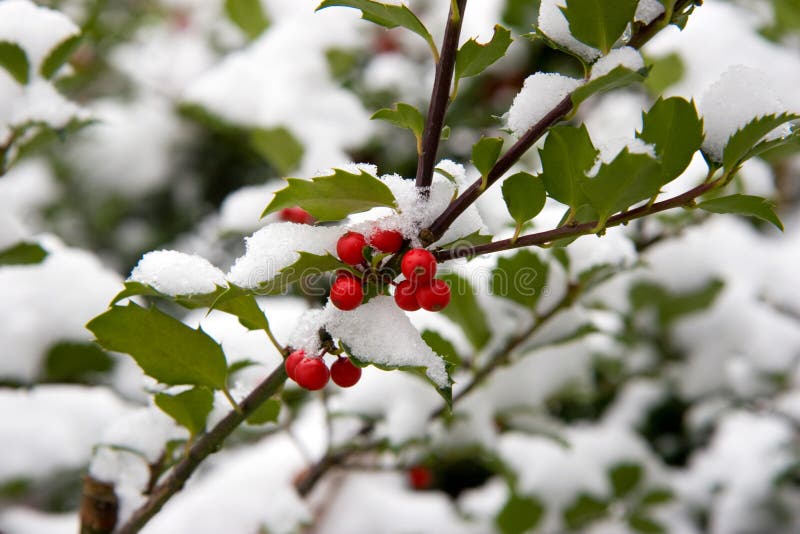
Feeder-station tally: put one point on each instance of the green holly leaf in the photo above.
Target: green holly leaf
(524, 196)
(749, 205)
(657, 496)
(165, 348)
(485, 153)
(645, 525)
(519, 515)
(471, 240)
(268, 412)
(445, 392)
(388, 16)
(675, 129)
(442, 346)
(59, 55)
(333, 197)
(625, 181)
(14, 60)
(624, 478)
(520, 278)
(567, 155)
(75, 362)
(248, 15)
(744, 140)
(404, 116)
(473, 58)
(538, 34)
(671, 306)
(189, 409)
(618, 77)
(465, 311)
(278, 147)
(585, 510)
(307, 265)
(22, 254)
(665, 71)
(599, 23)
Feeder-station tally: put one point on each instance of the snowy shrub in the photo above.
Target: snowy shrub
(352, 267)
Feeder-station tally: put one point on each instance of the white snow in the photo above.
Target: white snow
(627, 57)
(23, 520)
(59, 424)
(241, 210)
(277, 246)
(647, 11)
(49, 302)
(379, 332)
(739, 96)
(175, 273)
(554, 24)
(540, 94)
(28, 187)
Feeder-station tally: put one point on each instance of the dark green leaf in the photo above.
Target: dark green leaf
(741, 142)
(676, 131)
(657, 496)
(189, 409)
(519, 515)
(749, 205)
(14, 60)
(485, 152)
(645, 525)
(240, 365)
(567, 155)
(665, 71)
(473, 58)
(386, 15)
(164, 347)
(268, 412)
(22, 254)
(74, 362)
(520, 278)
(441, 346)
(625, 181)
(585, 510)
(279, 147)
(618, 77)
(551, 43)
(672, 306)
(308, 265)
(465, 311)
(445, 392)
(624, 478)
(238, 302)
(521, 13)
(404, 116)
(248, 15)
(333, 197)
(599, 23)
(524, 196)
(59, 55)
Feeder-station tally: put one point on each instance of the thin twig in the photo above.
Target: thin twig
(203, 447)
(440, 96)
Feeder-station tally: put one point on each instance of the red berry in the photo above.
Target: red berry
(346, 292)
(434, 297)
(296, 215)
(344, 373)
(420, 477)
(350, 248)
(418, 264)
(405, 296)
(291, 362)
(386, 240)
(311, 374)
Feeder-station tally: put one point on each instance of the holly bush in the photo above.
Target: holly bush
(358, 266)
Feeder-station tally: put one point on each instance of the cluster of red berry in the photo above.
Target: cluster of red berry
(312, 373)
(419, 290)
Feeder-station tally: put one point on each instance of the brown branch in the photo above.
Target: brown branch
(562, 232)
(206, 444)
(440, 96)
